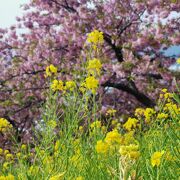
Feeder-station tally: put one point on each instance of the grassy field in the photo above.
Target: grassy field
(74, 141)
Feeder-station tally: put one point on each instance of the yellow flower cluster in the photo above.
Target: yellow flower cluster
(168, 109)
(148, 113)
(50, 70)
(139, 112)
(4, 125)
(70, 85)
(8, 177)
(58, 85)
(23, 147)
(128, 138)
(130, 123)
(96, 127)
(94, 66)
(6, 165)
(96, 124)
(91, 83)
(95, 38)
(166, 95)
(156, 158)
(9, 157)
(131, 151)
(1, 151)
(111, 112)
(172, 109)
(162, 116)
(52, 124)
(112, 139)
(6, 151)
(102, 147)
(58, 176)
(115, 124)
(178, 61)
(127, 145)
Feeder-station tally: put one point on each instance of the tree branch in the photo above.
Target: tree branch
(67, 7)
(116, 49)
(145, 100)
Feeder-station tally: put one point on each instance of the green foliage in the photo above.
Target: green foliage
(65, 145)
(74, 140)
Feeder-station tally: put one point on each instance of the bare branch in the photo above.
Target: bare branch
(145, 100)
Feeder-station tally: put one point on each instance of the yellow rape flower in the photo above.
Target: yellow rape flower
(173, 109)
(128, 138)
(114, 122)
(166, 95)
(80, 129)
(52, 124)
(96, 124)
(156, 158)
(131, 151)
(6, 165)
(101, 147)
(148, 113)
(130, 123)
(104, 129)
(6, 151)
(50, 70)
(134, 155)
(1, 151)
(8, 177)
(95, 38)
(162, 116)
(70, 85)
(82, 87)
(58, 176)
(178, 61)
(164, 90)
(92, 84)
(9, 157)
(18, 155)
(57, 85)
(53, 69)
(111, 112)
(23, 147)
(113, 137)
(94, 66)
(4, 125)
(139, 112)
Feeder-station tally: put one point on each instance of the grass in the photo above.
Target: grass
(65, 145)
